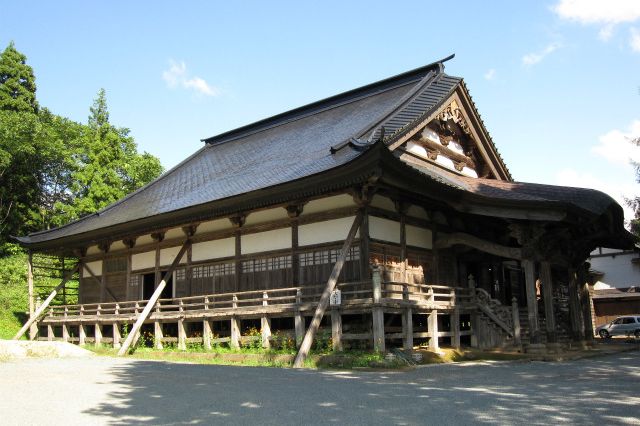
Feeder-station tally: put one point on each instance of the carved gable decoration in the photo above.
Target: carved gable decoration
(452, 137)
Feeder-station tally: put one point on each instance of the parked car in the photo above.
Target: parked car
(626, 325)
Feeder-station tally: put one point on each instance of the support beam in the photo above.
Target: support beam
(547, 294)
(158, 335)
(432, 322)
(407, 322)
(324, 299)
(377, 314)
(515, 312)
(298, 320)
(449, 240)
(152, 301)
(82, 335)
(577, 325)
(532, 301)
(97, 334)
(65, 333)
(265, 324)
(50, 335)
(182, 335)
(33, 330)
(336, 329)
(234, 342)
(455, 327)
(206, 334)
(116, 335)
(44, 305)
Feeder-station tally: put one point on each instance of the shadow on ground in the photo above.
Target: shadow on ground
(594, 391)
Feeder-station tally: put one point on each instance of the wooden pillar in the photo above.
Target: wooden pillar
(407, 321)
(532, 301)
(585, 301)
(455, 327)
(547, 294)
(206, 334)
(364, 246)
(50, 335)
(475, 317)
(515, 312)
(158, 335)
(235, 326)
(265, 323)
(377, 312)
(82, 334)
(336, 328)
(33, 329)
(97, 334)
(65, 332)
(433, 329)
(129, 295)
(103, 284)
(299, 320)
(182, 334)
(116, 335)
(575, 312)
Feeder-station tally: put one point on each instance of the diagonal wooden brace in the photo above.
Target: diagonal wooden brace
(152, 300)
(44, 305)
(324, 299)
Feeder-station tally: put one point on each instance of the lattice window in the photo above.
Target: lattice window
(266, 264)
(327, 256)
(134, 280)
(207, 271)
(116, 264)
(181, 274)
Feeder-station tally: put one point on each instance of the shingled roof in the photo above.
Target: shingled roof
(288, 147)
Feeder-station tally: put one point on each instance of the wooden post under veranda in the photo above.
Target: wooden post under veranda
(152, 300)
(45, 304)
(324, 299)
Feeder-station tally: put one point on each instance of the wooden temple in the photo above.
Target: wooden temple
(383, 215)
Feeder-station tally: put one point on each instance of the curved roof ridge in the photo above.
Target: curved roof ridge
(330, 102)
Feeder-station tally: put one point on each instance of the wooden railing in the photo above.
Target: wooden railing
(278, 298)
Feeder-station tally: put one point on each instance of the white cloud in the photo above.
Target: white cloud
(616, 147)
(617, 191)
(598, 11)
(177, 76)
(634, 40)
(606, 13)
(489, 75)
(533, 58)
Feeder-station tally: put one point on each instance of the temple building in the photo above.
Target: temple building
(392, 197)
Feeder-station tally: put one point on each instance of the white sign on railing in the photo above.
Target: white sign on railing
(336, 298)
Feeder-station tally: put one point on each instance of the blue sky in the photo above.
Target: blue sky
(557, 82)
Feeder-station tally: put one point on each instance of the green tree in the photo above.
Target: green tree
(109, 166)
(17, 82)
(634, 203)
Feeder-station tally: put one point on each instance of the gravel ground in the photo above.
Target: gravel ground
(100, 390)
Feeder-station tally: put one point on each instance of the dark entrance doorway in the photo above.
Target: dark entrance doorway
(149, 286)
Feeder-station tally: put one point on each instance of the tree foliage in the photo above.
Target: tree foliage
(634, 203)
(17, 82)
(52, 169)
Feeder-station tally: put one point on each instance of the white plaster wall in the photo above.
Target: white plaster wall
(96, 268)
(144, 239)
(93, 250)
(325, 232)
(174, 233)
(117, 245)
(416, 149)
(167, 255)
(446, 162)
(213, 249)
(143, 260)
(383, 203)
(329, 203)
(430, 134)
(266, 216)
(417, 211)
(469, 172)
(213, 225)
(419, 237)
(384, 229)
(455, 147)
(265, 241)
(618, 270)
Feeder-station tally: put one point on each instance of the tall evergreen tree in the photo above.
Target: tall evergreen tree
(17, 82)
